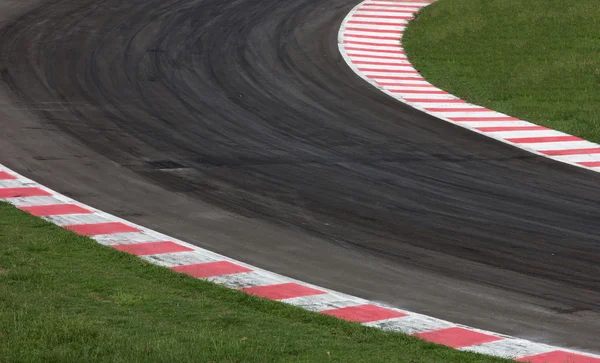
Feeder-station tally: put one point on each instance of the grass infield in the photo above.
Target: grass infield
(532, 59)
(65, 298)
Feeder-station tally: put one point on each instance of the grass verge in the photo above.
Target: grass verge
(533, 59)
(65, 298)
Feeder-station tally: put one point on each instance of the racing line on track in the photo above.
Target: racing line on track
(370, 37)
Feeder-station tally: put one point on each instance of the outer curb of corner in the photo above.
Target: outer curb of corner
(369, 40)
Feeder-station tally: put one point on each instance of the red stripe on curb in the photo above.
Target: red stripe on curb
(382, 58)
(370, 22)
(152, 248)
(364, 313)
(408, 1)
(396, 71)
(379, 63)
(433, 100)
(405, 69)
(594, 150)
(392, 84)
(94, 229)
(511, 128)
(398, 11)
(559, 356)
(477, 119)
(22, 192)
(524, 140)
(373, 30)
(282, 291)
(6, 176)
(461, 109)
(367, 16)
(374, 56)
(422, 92)
(590, 164)
(412, 8)
(388, 51)
(380, 37)
(457, 337)
(395, 3)
(211, 269)
(368, 43)
(55, 210)
(397, 78)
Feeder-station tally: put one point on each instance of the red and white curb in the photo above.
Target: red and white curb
(370, 42)
(186, 258)
(372, 47)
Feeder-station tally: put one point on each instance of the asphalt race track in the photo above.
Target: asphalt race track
(237, 126)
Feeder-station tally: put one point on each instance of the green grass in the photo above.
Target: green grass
(538, 60)
(65, 298)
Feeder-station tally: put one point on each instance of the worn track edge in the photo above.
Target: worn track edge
(184, 257)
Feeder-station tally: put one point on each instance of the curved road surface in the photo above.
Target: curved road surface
(236, 125)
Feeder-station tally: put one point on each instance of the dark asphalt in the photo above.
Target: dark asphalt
(237, 126)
